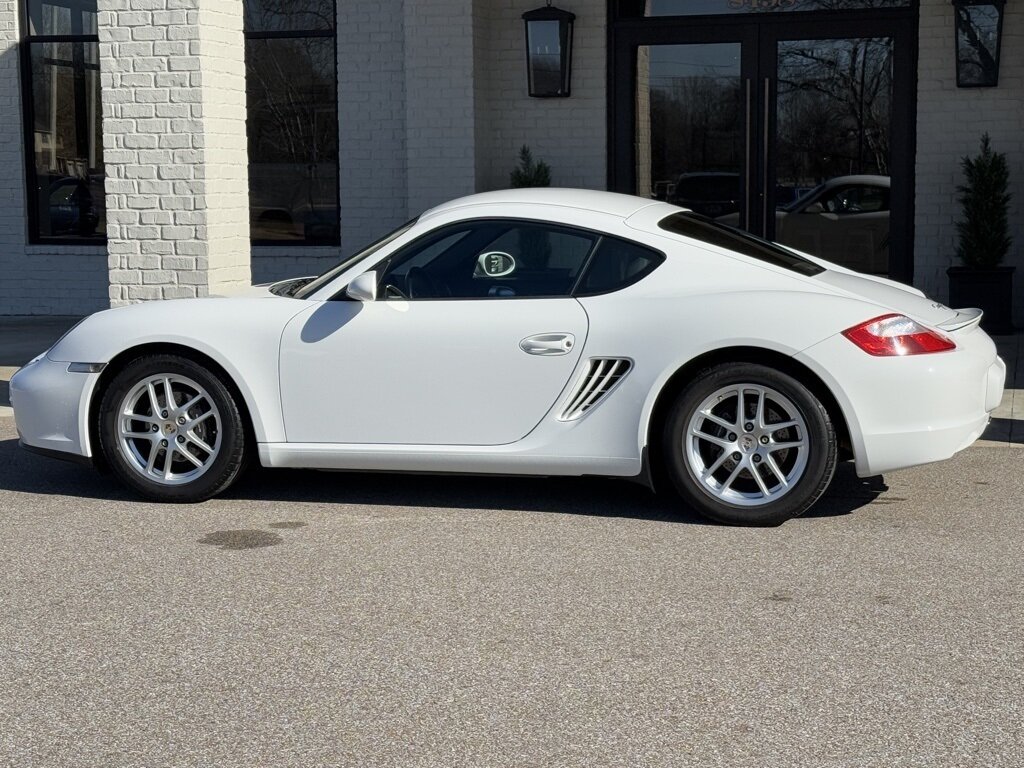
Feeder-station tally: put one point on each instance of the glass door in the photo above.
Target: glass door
(831, 149)
(795, 130)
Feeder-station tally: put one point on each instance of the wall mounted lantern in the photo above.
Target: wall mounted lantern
(549, 51)
(979, 30)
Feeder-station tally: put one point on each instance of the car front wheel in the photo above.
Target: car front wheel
(746, 444)
(171, 429)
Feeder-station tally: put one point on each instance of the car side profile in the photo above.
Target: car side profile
(530, 332)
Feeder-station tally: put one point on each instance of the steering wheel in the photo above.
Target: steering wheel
(421, 285)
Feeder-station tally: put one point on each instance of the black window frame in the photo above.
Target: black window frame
(301, 34)
(26, 41)
(574, 292)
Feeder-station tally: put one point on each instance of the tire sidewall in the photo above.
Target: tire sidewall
(822, 450)
(225, 467)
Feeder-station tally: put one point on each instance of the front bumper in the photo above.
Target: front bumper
(907, 411)
(51, 407)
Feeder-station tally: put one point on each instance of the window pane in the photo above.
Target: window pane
(489, 259)
(617, 264)
(977, 31)
(62, 17)
(67, 140)
(293, 139)
(289, 15)
(636, 8)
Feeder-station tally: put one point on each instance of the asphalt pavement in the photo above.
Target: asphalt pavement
(311, 619)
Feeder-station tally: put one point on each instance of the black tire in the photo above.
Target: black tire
(821, 453)
(232, 452)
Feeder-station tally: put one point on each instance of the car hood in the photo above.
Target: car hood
(889, 294)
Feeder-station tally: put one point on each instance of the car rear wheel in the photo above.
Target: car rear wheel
(749, 445)
(171, 429)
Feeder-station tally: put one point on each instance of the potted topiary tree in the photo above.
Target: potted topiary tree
(984, 240)
(529, 173)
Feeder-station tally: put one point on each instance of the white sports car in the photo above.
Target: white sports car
(534, 332)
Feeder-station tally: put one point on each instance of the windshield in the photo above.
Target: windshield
(314, 285)
(799, 200)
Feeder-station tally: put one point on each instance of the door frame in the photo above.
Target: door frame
(759, 34)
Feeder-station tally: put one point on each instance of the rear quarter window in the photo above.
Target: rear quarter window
(709, 231)
(615, 265)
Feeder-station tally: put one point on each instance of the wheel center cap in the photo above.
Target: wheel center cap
(169, 429)
(748, 443)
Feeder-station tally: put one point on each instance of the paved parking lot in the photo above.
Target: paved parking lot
(372, 620)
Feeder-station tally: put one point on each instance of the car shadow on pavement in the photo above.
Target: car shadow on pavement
(21, 471)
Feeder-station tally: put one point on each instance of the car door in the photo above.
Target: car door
(473, 337)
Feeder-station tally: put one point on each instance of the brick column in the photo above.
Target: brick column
(173, 82)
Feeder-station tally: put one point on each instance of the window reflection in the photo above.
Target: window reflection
(66, 194)
(289, 15)
(977, 31)
(291, 87)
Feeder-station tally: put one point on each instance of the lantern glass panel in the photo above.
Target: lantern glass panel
(545, 47)
(977, 45)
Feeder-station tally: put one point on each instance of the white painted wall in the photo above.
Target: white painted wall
(950, 123)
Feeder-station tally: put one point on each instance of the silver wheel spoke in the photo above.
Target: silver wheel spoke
(718, 420)
(760, 482)
(197, 441)
(184, 409)
(153, 400)
(168, 396)
(783, 425)
(776, 471)
(151, 463)
(712, 439)
(759, 416)
(716, 466)
(785, 446)
(190, 425)
(139, 435)
(185, 454)
(732, 477)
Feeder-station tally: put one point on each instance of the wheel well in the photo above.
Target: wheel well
(122, 359)
(756, 355)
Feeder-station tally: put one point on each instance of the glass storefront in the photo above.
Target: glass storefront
(795, 128)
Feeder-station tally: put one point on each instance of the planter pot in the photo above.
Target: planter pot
(990, 290)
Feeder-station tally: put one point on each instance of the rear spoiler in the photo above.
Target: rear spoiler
(964, 318)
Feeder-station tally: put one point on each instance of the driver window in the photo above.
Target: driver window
(489, 259)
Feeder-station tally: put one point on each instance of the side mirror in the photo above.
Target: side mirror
(815, 208)
(363, 288)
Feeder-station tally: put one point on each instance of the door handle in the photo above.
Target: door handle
(547, 344)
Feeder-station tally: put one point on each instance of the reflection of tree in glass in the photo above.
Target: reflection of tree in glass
(977, 28)
(289, 15)
(695, 119)
(834, 107)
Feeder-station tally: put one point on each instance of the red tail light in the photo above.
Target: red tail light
(896, 336)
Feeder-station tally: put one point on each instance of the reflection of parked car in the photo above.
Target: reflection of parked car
(711, 194)
(67, 202)
(845, 220)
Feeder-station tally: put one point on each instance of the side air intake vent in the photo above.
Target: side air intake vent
(601, 377)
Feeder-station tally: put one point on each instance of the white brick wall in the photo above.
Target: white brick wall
(569, 134)
(173, 81)
(949, 125)
(34, 279)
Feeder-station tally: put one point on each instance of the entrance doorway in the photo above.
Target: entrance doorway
(797, 127)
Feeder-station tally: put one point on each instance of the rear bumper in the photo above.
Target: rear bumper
(51, 408)
(912, 410)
